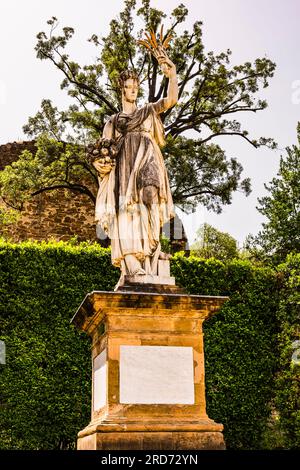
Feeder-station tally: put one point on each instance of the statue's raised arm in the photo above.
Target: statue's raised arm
(168, 68)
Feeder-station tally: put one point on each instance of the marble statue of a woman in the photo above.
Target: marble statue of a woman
(134, 198)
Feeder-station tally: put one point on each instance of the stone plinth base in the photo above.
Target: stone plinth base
(145, 440)
(162, 282)
(148, 371)
(149, 279)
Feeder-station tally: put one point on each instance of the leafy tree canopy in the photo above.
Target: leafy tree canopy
(212, 94)
(280, 234)
(211, 243)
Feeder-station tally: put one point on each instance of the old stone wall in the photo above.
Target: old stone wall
(10, 152)
(58, 214)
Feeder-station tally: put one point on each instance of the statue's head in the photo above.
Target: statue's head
(129, 84)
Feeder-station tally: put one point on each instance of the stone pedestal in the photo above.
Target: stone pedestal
(148, 371)
(162, 282)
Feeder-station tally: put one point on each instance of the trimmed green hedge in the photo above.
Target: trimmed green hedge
(287, 398)
(45, 385)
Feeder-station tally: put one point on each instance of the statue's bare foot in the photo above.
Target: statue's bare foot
(133, 266)
(139, 272)
(164, 256)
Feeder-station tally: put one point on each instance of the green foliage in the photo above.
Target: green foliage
(186, 160)
(211, 243)
(281, 232)
(212, 94)
(240, 344)
(287, 400)
(54, 165)
(8, 216)
(45, 384)
(165, 244)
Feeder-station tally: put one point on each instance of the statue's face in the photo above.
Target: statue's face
(130, 90)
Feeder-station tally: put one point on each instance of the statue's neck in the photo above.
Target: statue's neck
(128, 107)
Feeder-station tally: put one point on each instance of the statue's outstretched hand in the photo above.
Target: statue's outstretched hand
(102, 155)
(157, 47)
(167, 66)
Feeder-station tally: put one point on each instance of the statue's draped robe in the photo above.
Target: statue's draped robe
(133, 227)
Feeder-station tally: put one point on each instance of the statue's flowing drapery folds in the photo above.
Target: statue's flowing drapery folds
(133, 225)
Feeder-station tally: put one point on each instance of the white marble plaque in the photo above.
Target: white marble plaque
(156, 375)
(99, 396)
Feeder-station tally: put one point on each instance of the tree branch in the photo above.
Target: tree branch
(87, 168)
(195, 193)
(143, 65)
(152, 86)
(225, 133)
(127, 37)
(161, 89)
(9, 204)
(232, 83)
(187, 78)
(81, 86)
(72, 187)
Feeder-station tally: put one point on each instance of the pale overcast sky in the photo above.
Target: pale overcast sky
(250, 29)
